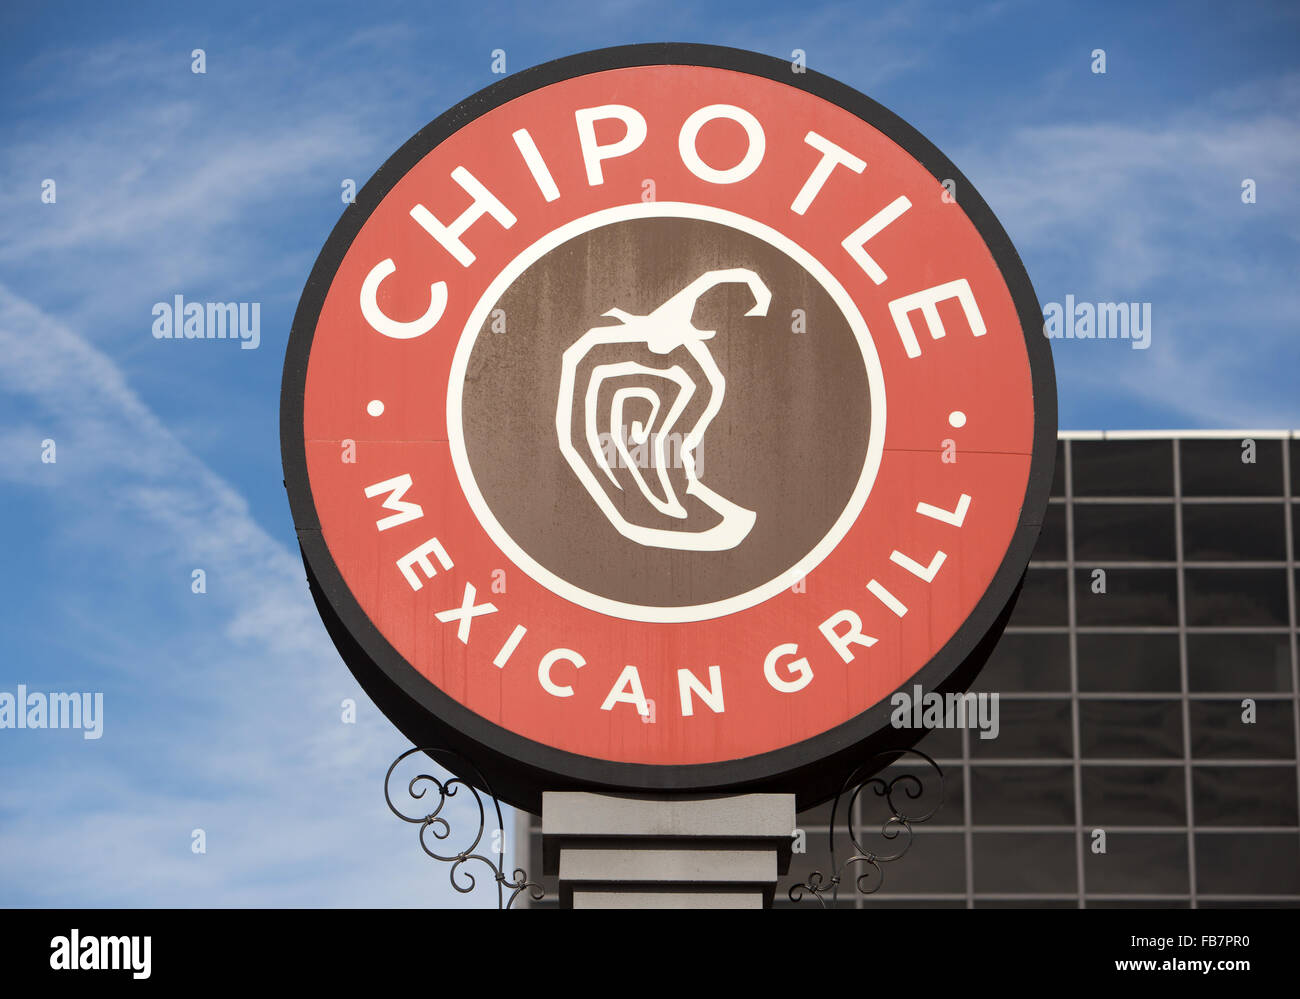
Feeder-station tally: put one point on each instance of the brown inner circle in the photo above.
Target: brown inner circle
(788, 442)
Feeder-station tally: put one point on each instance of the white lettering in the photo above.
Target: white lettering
(858, 238)
(484, 203)
(627, 690)
(396, 488)
(688, 682)
(690, 133)
(832, 156)
(853, 636)
(802, 671)
(381, 322)
(548, 661)
(420, 557)
(467, 611)
(592, 152)
(927, 301)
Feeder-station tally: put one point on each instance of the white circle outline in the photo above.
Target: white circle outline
(641, 612)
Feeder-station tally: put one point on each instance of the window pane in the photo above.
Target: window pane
(1131, 597)
(1133, 796)
(1123, 468)
(1142, 729)
(1236, 597)
(1140, 903)
(1247, 863)
(1219, 731)
(1025, 862)
(935, 862)
(1245, 663)
(1244, 796)
(1027, 903)
(941, 744)
(1026, 663)
(1215, 468)
(1138, 864)
(1042, 600)
(1028, 730)
(1245, 903)
(1229, 532)
(1010, 796)
(1058, 475)
(1124, 532)
(882, 900)
(1119, 663)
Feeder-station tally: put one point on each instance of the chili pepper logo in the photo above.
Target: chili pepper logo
(665, 332)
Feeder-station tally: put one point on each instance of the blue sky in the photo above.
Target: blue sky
(222, 709)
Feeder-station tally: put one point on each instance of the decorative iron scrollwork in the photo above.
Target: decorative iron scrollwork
(867, 862)
(437, 825)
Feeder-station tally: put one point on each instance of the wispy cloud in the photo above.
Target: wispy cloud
(161, 173)
(1124, 211)
(225, 718)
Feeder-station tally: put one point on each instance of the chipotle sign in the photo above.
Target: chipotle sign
(654, 415)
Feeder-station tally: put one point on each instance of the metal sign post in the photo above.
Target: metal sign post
(654, 852)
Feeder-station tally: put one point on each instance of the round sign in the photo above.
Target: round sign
(654, 415)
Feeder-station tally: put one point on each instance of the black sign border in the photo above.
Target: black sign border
(520, 769)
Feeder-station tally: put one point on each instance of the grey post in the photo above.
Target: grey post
(659, 852)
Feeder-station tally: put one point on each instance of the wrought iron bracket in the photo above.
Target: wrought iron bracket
(870, 876)
(436, 825)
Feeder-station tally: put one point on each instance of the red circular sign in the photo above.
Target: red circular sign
(656, 414)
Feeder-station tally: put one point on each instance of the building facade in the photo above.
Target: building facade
(1148, 711)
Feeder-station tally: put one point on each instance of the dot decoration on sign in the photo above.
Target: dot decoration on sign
(957, 418)
(375, 407)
